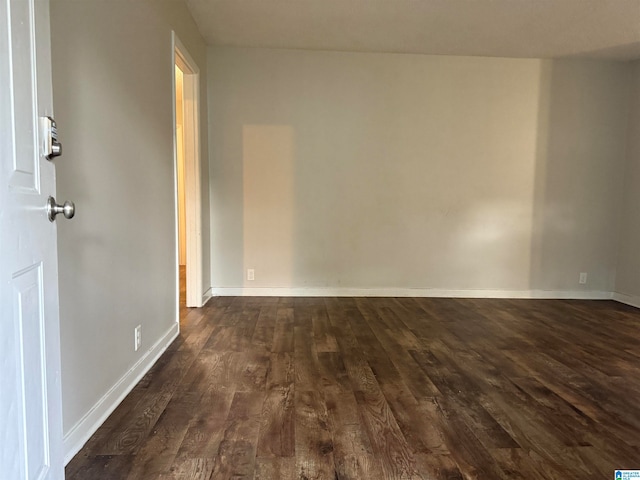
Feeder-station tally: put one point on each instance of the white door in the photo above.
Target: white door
(30, 394)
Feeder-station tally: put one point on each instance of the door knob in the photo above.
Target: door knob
(55, 151)
(53, 209)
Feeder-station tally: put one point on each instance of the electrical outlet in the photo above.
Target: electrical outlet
(583, 278)
(137, 340)
(251, 274)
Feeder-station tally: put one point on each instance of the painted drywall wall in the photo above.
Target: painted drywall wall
(385, 171)
(112, 81)
(628, 273)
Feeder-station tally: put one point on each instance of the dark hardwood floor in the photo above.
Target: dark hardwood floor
(383, 388)
(182, 291)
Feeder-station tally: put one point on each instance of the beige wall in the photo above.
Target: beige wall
(112, 73)
(628, 275)
(404, 171)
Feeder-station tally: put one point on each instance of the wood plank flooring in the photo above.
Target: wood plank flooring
(382, 388)
(182, 290)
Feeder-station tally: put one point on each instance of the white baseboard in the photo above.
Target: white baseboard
(632, 300)
(206, 296)
(75, 439)
(406, 292)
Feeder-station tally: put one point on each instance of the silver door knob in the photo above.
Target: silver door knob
(56, 150)
(53, 209)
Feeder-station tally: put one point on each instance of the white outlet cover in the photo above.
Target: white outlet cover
(137, 337)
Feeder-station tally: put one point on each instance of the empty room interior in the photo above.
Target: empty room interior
(412, 244)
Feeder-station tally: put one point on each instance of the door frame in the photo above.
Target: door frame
(192, 172)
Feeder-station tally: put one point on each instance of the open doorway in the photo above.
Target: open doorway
(187, 174)
(182, 225)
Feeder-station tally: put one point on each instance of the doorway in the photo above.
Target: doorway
(186, 81)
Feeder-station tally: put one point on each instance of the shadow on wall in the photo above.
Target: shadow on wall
(579, 175)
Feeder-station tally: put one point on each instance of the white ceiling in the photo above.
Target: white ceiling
(607, 29)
